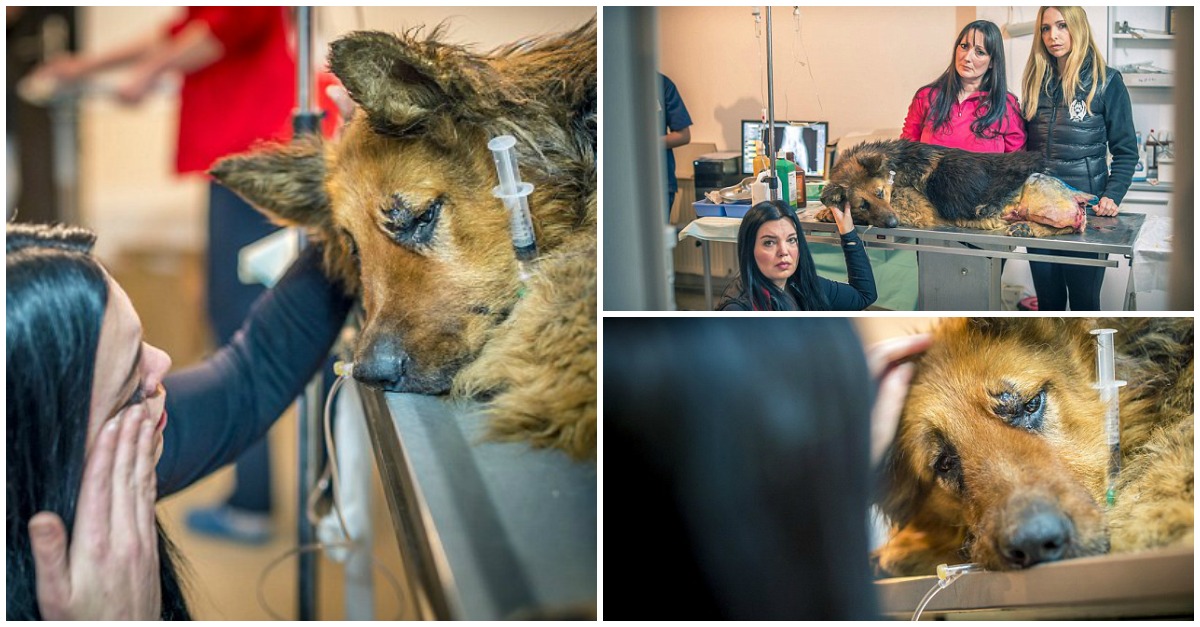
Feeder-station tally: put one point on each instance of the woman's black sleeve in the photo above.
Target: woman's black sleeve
(1122, 138)
(219, 408)
(860, 293)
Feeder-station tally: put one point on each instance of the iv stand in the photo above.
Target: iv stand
(306, 121)
(772, 181)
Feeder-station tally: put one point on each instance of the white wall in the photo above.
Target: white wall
(128, 190)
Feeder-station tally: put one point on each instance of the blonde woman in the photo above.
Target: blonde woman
(1077, 110)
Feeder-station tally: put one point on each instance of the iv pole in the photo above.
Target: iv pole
(306, 121)
(772, 181)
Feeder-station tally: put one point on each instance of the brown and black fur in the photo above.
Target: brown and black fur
(934, 185)
(403, 205)
(971, 465)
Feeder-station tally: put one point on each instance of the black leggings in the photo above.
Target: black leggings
(1057, 284)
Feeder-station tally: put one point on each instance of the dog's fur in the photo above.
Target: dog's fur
(972, 464)
(404, 207)
(933, 185)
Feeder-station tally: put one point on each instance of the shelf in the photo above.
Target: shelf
(1144, 37)
(1149, 80)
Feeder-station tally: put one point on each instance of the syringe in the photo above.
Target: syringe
(1108, 387)
(515, 194)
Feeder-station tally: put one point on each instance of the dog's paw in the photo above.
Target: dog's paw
(824, 215)
(1020, 229)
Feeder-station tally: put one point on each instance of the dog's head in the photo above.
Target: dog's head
(404, 202)
(862, 177)
(1000, 457)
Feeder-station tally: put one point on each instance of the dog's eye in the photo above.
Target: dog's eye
(408, 226)
(879, 193)
(1022, 412)
(948, 467)
(865, 206)
(351, 243)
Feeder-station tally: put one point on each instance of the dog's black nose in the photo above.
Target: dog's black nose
(1042, 537)
(891, 222)
(381, 364)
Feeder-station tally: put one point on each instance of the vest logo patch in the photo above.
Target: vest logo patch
(1078, 110)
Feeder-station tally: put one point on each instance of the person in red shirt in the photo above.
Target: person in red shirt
(969, 106)
(239, 86)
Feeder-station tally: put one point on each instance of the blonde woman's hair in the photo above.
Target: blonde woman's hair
(1037, 71)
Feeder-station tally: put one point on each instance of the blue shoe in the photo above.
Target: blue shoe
(228, 523)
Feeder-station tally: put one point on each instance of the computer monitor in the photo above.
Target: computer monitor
(806, 139)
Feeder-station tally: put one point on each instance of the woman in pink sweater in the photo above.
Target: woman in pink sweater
(969, 106)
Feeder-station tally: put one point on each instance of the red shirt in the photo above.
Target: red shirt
(957, 131)
(245, 96)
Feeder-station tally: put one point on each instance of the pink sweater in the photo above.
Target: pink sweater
(957, 132)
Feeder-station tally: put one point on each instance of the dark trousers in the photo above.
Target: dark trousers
(1057, 284)
(670, 203)
(233, 224)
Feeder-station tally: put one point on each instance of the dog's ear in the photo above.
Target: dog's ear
(874, 164)
(286, 182)
(833, 195)
(401, 81)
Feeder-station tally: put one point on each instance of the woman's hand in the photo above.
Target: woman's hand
(345, 106)
(1106, 207)
(883, 360)
(110, 570)
(843, 219)
(66, 69)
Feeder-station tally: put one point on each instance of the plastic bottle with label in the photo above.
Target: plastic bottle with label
(761, 160)
(800, 194)
(1139, 171)
(786, 171)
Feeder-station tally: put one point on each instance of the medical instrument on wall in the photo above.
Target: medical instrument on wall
(946, 575)
(515, 195)
(1109, 388)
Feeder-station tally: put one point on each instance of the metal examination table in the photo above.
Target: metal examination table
(958, 268)
(486, 530)
(1151, 584)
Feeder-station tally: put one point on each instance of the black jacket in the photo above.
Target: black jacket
(218, 409)
(856, 296)
(1074, 142)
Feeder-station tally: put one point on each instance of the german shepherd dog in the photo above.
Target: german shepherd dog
(1001, 456)
(405, 208)
(904, 183)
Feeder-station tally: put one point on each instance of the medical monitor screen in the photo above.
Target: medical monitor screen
(806, 139)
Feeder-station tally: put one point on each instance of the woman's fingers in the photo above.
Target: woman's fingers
(145, 482)
(95, 490)
(884, 361)
(881, 355)
(1106, 207)
(48, 537)
(889, 404)
(125, 523)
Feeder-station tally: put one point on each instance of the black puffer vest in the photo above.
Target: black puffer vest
(1073, 141)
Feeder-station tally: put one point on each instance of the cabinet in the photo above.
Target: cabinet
(1140, 46)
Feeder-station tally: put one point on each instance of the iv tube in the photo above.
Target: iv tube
(1109, 387)
(946, 576)
(515, 194)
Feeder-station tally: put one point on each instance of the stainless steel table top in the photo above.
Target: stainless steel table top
(488, 530)
(1115, 235)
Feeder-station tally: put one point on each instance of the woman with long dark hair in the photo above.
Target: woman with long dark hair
(969, 106)
(88, 445)
(1078, 112)
(777, 271)
(750, 473)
